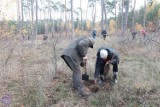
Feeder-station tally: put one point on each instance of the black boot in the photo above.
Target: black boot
(115, 74)
(101, 80)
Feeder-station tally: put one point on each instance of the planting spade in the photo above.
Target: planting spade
(85, 76)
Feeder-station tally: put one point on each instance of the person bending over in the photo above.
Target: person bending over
(105, 56)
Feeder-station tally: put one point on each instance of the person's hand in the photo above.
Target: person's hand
(85, 58)
(95, 80)
(108, 62)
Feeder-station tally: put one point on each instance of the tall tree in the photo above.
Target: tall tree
(36, 24)
(22, 13)
(102, 13)
(32, 21)
(87, 9)
(62, 10)
(126, 5)
(19, 13)
(108, 8)
(92, 3)
(95, 12)
(66, 17)
(72, 19)
(133, 11)
(105, 14)
(122, 23)
(115, 12)
(144, 17)
(55, 9)
(81, 15)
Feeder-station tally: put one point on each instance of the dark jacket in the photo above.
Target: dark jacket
(77, 50)
(104, 32)
(94, 33)
(112, 55)
(134, 33)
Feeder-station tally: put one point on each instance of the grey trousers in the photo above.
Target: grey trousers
(76, 76)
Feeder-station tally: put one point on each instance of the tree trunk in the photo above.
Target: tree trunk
(95, 12)
(50, 19)
(61, 28)
(93, 18)
(81, 16)
(126, 21)
(28, 20)
(105, 14)
(144, 17)
(66, 17)
(22, 13)
(45, 24)
(102, 9)
(115, 2)
(18, 14)
(87, 9)
(32, 20)
(133, 20)
(87, 12)
(36, 24)
(122, 23)
(36, 12)
(72, 19)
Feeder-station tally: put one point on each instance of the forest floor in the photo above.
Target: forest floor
(30, 79)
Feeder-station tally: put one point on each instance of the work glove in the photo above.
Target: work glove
(85, 58)
(95, 80)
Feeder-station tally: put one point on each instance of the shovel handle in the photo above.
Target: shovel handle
(85, 65)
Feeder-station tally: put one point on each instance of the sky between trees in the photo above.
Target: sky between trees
(8, 8)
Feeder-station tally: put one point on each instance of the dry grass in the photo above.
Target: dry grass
(29, 76)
